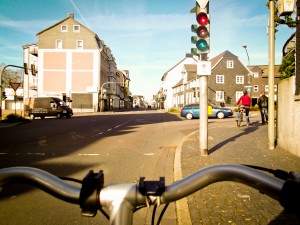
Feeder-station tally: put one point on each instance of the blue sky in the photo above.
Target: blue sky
(147, 37)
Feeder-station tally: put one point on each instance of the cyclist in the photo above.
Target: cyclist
(245, 100)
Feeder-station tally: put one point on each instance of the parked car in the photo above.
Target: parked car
(191, 111)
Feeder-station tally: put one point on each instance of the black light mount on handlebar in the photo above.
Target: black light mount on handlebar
(92, 184)
(153, 188)
(289, 196)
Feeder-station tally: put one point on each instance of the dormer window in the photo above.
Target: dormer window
(64, 28)
(76, 28)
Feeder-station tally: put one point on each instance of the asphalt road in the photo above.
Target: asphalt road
(125, 145)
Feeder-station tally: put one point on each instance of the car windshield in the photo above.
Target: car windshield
(62, 103)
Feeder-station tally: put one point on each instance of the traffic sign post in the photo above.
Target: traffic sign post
(202, 41)
(15, 86)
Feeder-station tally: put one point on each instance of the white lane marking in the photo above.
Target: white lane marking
(120, 125)
(28, 153)
(91, 154)
(110, 129)
(149, 154)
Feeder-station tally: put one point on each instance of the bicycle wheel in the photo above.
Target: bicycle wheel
(240, 120)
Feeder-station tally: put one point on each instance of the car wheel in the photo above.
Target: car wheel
(220, 115)
(189, 116)
(31, 116)
(58, 116)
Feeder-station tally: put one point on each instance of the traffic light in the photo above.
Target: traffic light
(33, 71)
(4, 95)
(201, 29)
(25, 68)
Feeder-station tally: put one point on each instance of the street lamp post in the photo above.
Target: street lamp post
(101, 90)
(183, 73)
(249, 75)
(245, 46)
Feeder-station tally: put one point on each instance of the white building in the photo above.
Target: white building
(172, 77)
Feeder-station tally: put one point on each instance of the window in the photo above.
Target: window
(267, 88)
(255, 88)
(219, 96)
(220, 79)
(76, 28)
(229, 64)
(255, 75)
(59, 44)
(79, 44)
(239, 79)
(238, 94)
(64, 28)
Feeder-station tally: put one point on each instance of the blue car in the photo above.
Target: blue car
(191, 111)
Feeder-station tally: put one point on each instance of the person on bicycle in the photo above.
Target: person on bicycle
(245, 100)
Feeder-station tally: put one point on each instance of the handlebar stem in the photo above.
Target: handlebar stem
(121, 201)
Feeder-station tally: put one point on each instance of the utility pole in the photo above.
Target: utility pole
(271, 118)
(202, 41)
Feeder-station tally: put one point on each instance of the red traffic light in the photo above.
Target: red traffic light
(202, 19)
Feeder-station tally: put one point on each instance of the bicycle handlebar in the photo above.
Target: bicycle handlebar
(42, 180)
(123, 199)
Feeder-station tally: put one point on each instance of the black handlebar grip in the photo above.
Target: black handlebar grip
(289, 196)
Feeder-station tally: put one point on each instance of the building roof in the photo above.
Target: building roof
(186, 56)
(265, 70)
(227, 54)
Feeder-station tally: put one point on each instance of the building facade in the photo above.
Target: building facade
(171, 78)
(229, 78)
(75, 64)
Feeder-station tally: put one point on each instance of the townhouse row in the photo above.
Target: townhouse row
(229, 78)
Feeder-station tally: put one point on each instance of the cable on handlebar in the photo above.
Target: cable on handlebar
(92, 184)
(281, 174)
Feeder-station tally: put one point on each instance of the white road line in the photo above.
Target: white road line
(149, 154)
(92, 154)
(28, 153)
(120, 125)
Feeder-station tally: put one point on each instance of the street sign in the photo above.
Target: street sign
(14, 86)
(202, 3)
(204, 68)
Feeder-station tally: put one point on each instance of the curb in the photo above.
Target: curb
(182, 209)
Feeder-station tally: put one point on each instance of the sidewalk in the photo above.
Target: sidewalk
(230, 202)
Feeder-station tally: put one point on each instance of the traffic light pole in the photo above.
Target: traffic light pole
(271, 119)
(203, 120)
(203, 117)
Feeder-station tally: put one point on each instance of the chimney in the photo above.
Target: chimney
(71, 15)
(188, 55)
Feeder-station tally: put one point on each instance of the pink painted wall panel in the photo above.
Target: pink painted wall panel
(55, 60)
(82, 61)
(54, 81)
(81, 80)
